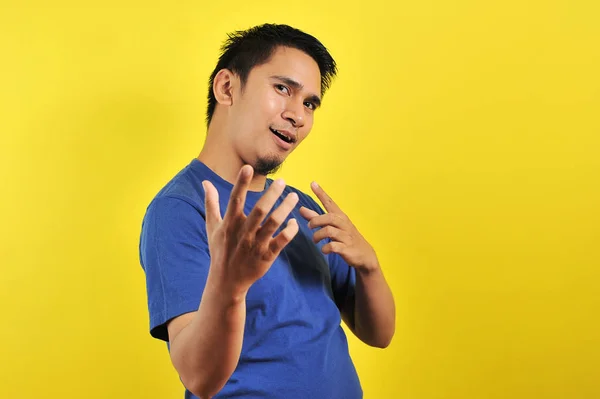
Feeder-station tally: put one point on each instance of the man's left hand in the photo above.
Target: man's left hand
(345, 237)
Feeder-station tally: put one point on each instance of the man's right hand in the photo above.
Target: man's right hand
(242, 248)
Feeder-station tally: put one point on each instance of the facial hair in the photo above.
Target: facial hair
(267, 166)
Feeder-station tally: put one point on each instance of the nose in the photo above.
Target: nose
(294, 113)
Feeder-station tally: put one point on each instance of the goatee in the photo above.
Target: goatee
(267, 166)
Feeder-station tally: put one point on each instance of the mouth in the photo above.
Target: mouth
(283, 136)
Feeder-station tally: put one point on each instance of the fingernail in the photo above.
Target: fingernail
(246, 171)
(315, 185)
(279, 182)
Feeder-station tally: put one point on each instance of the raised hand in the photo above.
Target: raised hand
(346, 240)
(242, 248)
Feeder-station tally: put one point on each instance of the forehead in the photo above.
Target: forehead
(294, 64)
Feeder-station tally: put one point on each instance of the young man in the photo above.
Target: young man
(248, 279)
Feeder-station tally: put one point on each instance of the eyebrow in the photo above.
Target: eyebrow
(298, 86)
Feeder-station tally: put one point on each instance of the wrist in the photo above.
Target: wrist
(225, 288)
(368, 268)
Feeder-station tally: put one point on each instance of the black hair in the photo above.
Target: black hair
(243, 50)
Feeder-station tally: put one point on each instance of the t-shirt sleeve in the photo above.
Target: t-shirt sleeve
(175, 258)
(343, 276)
(343, 280)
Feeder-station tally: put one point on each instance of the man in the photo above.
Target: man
(248, 279)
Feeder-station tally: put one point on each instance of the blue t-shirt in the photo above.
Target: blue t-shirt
(294, 346)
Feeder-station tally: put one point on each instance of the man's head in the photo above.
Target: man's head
(264, 91)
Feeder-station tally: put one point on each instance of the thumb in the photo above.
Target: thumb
(211, 204)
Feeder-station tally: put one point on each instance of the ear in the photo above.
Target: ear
(223, 86)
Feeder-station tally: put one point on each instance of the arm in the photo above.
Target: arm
(215, 333)
(206, 345)
(370, 313)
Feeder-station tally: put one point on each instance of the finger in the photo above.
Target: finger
(264, 205)
(307, 213)
(331, 232)
(333, 247)
(329, 219)
(211, 205)
(277, 217)
(325, 199)
(237, 199)
(284, 237)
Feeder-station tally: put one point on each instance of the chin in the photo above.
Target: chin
(267, 165)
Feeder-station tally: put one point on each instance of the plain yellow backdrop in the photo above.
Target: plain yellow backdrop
(462, 138)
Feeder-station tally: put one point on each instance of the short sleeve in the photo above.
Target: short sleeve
(343, 280)
(175, 258)
(343, 276)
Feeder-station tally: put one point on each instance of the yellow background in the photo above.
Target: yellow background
(462, 137)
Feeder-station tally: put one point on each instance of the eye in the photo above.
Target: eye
(310, 105)
(282, 88)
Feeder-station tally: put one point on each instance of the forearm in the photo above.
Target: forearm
(206, 352)
(374, 308)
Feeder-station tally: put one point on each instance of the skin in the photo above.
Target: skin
(280, 94)
(239, 131)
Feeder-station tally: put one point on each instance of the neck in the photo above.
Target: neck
(219, 155)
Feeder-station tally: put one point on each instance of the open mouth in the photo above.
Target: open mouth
(282, 136)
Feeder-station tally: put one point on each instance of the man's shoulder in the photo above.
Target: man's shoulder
(185, 186)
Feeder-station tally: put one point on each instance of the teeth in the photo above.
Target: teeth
(281, 134)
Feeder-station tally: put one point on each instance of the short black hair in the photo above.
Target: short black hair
(243, 50)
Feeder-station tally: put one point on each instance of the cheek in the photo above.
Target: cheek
(309, 120)
(274, 103)
(305, 130)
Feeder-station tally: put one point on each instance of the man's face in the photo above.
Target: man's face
(275, 111)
